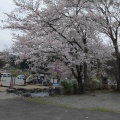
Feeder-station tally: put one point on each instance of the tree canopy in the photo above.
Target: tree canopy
(68, 29)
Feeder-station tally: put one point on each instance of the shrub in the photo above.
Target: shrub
(114, 87)
(94, 84)
(68, 86)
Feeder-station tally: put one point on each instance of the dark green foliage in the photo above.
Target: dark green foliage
(24, 65)
(69, 86)
(94, 84)
(2, 63)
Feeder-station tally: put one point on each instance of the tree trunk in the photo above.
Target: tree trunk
(85, 75)
(78, 76)
(118, 74)
(117, 54)
(80, 86)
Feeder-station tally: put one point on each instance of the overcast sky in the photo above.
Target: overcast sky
(5, 35)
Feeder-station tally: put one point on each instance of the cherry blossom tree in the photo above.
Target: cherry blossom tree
(61, 28)
(106, 15)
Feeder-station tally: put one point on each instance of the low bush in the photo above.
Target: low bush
(69, 87)
(94, 84)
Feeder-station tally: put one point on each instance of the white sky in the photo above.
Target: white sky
(6, 6)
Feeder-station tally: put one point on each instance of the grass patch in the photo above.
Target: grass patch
(102, 109)
(63, 105)
(43, 101)
(38, 100)
(104, 91)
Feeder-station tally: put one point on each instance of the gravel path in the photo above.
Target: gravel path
(4, 95)
(102, 101)
(19, 109)
(96, 101)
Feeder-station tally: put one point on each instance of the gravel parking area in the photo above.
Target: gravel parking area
(19, 109)
(4, 95)
(96, 101)
(99, 101)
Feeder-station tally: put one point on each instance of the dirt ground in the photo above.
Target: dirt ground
(3, 89)
(31, 86)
